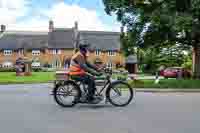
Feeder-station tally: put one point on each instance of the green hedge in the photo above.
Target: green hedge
(36, 69)
(7, 69)
(33, 69)
(167, 83)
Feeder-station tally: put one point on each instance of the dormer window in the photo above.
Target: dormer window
(7, 52)
(111, 53)
(20, 52)
(97, 52)
(56, 51)
(35, 52)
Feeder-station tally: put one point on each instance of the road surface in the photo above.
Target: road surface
(30, 109)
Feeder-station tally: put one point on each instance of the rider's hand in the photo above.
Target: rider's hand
(99, 74)
(101, 69)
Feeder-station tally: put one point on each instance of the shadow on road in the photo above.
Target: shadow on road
(97, 106)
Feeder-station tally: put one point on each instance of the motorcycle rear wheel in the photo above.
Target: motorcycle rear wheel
(65, 91)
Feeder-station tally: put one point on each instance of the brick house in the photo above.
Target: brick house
(55, 47)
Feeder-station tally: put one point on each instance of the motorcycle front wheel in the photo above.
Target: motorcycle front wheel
(120, 94)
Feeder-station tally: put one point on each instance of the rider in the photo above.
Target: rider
(81, 70)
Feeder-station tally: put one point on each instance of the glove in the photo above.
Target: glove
(99, 74)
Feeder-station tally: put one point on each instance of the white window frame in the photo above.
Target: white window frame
(111, 53)
(56, 51)
(7, 65)
(36, 64)
(109, 65)
(7, 52)
(35, 52)
(97, 52)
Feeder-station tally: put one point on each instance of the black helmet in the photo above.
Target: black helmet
(83, 46)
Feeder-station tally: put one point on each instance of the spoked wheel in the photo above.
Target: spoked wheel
(66, 95)
(119, 94)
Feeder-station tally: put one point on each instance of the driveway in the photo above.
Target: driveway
(30, 109)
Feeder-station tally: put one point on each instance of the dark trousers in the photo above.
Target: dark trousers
(86, 79)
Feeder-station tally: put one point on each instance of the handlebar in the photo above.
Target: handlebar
(107, 72)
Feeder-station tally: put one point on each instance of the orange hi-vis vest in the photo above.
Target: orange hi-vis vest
(75, 68)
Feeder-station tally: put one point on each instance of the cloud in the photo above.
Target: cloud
(65, 15)
(11, 10)
(62, 14)
(34, 24)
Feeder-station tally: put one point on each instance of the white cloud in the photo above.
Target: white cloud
(65, 15)
(30, 25)
(10, 10)
(62, 14)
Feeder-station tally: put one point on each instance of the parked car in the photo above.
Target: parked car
(173, 72)
(161, 72)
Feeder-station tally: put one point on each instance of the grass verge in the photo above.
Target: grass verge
(37, 77)
(44, 77)
(167, 83)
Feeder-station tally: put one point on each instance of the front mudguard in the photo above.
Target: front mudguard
(116, 82)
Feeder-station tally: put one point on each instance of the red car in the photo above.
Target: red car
(173, 72)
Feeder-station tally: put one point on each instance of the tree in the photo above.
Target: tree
(158, 23)
(151, 59)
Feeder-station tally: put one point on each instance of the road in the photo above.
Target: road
(30, 109)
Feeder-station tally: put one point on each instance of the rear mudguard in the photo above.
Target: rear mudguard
(59, 83)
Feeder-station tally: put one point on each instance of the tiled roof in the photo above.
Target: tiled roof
(101, 40)
(16, 40)
(61, 38)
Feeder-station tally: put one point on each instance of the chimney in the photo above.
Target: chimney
(51, 26)
(76, 25)
(122, 29)
(3, 28)
(76, 34)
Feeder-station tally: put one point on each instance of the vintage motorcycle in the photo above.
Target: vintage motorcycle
(67, 92)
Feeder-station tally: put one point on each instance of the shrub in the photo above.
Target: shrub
(7, 70)
(47, 65)
(118, 65)
(187, 65)
(44, 69)
(36, 69)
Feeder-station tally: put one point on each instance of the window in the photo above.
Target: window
(98, 52)
(7, 52)
(56, 64)
(56, 51)
(35, 64)
(35, 52)
(21, 52)
(7, 65)
(111, 53)
(109, 65)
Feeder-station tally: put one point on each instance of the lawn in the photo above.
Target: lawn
(37, 77)
(167, 83)
(44, 77)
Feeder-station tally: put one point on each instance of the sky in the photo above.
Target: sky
(35, 14)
